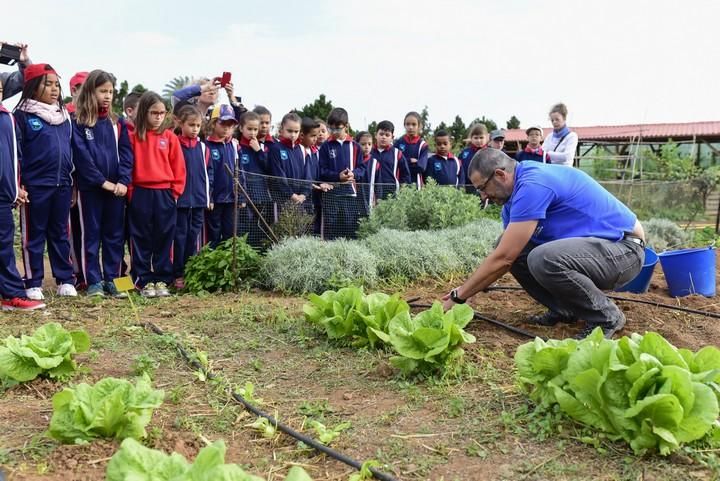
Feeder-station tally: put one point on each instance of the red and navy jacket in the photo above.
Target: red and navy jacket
(267, 142)
(385, 171)
(101, 153)
(159, 162)
(198, 174)
(255, 167)
(8, 158)
(337, 155)
(445, 170)
(45, 151)
(291, 171)
(528, 153)
(312, 158)
(414, 148)
(223, 153)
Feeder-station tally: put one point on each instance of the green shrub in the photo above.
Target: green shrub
(433, 207)
(664, 234)
(212, 269)
(308, 264)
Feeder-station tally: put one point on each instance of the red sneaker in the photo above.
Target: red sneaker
(21, 304)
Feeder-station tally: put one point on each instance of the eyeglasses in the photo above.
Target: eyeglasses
(481, 190)
(158, 113)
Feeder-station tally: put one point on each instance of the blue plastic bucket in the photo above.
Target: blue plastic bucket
(641, 283)
(690, 271)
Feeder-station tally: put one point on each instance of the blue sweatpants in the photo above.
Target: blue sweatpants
(11, 284)
(46, 218)
(188, 230)
(102, 215)
(220, 223)
(153, 214)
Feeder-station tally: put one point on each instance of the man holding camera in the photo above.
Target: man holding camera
(12, 54)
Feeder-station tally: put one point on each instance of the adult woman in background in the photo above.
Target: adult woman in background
(560, 146)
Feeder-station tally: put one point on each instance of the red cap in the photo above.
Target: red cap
(37, 70)
(78, 79)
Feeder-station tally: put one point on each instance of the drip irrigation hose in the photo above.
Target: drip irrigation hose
(494, 322)
(689, 310)
(278, 425)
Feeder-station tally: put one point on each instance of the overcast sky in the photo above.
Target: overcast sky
(610, 61)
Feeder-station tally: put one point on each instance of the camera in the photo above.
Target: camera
(9, 54)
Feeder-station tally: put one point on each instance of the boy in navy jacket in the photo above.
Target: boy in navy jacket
(340, 160)
(386, 167)
(293, 180)
(443, 166)
(533, 150)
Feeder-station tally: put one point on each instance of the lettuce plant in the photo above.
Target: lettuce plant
(48, 352)
(133, 461)
(640, 388)
(112, 408)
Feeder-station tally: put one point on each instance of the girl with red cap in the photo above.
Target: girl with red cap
(44, 134)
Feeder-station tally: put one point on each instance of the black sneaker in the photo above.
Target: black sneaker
(608, 331)
(550, 318)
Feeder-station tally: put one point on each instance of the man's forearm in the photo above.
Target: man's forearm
(492, 269)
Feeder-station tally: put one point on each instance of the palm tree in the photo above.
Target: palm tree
(176, 84)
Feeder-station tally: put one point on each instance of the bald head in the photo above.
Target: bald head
(486, 161)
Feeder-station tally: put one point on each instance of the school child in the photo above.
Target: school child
(478, 139)
(158, 180)
(322, 133)
(223, 157)
(414, 147)
(497, 139)
(130, 103)
(76, 81)
(195, 199)
(365, 141)
(264, 136)
(387, 167)
(533, 150)
(443, 166)
(12, 289)
(44, 133)
(340, 160)
(292, 181)
(103, 166)
(255, 167)
(309, 131)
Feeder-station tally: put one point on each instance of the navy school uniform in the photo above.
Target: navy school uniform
(221, 220)
(101, 153)
(312, 157)
(445, 170)
(291, 174)
(385, 171)
(46, 167)
(256, 169)
(191, 205)
(267, 142)
(465, 157)
(342, 206)
(11, 284)
(528, 153)
(414, 148)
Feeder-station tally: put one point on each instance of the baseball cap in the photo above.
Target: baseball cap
(78, 79)
(534, 127)
(37, 70)
(223, 113)
(497, 134)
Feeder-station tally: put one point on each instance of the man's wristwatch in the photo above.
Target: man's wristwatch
(455, 298)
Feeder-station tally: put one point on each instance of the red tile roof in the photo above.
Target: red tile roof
(627, 132)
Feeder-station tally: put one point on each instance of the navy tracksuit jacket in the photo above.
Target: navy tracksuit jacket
(255, 170)
(528, 153)
(385, 171)
(101, 153)
(11, 284)
(191, 205)
(291, 174)
(465, 157)
(221, 221)
(414, 148)
(445, 170)
(46, 167)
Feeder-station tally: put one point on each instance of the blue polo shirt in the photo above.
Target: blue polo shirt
(566, 202)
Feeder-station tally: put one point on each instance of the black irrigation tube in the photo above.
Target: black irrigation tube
(689, 310)
(282, 427)
(494, 322)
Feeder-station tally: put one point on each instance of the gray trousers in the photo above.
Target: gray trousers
(568, 276)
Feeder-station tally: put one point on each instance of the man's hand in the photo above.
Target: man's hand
(447, 302)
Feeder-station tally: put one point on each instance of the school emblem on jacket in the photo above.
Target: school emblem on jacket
(437, 166)
(215, 154)
(402, 147)
(245, 158)
(333, 153)
(465, 154)
(89, 134)
(35, 124)
(163, 144)
(283, 155)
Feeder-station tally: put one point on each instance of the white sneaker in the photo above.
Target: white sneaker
(66, 290)
(161, 289)
(35, 294)
(148, 290)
